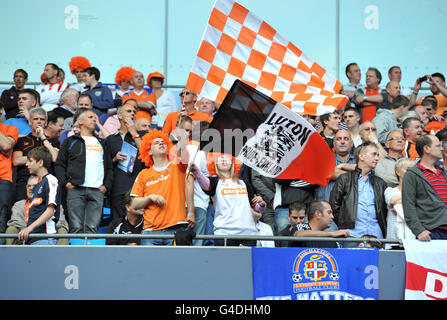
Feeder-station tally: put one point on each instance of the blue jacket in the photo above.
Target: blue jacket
(101, 96)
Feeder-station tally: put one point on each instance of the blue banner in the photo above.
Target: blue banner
(315, 274)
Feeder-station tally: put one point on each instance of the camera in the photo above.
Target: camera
(422, 79)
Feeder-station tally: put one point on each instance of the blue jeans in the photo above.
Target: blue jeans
(438, 234)
(209, 228)
(200, 226)
(162, 242)
(45, 242)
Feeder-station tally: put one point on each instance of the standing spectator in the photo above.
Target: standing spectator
(395, 74)
(146, 103)
(77, 66)
(10, 97)
(8, 138)
(123, 178)
(437, 88)
(165, 100)
(188, 99)
(358, 197)
(265, 187)
(351, 117)
(385, 169)
(231, 200)
(422, 113)
(412, 128)
(51, 90)
(131, 223)
(123, 79)
(362, 97)
(55, 125)
(297, 215)
(142, 124)
(320, 218)
(331, 124)
(102, 98)
(396, 225)
(354, 75)
(389, 119)
(68, 105)
(424, 196)
(368, 133)
(37, 138)
(84, 169)
(160, 189)
(44, 208)
(344, 162)
(28, 99)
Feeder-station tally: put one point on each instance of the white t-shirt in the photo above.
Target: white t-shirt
(165, 105)
(264, 230)
(232, 208)
(94, 163)
(201, 199)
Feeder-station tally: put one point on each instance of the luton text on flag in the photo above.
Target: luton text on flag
(238, 45)
(268, 137)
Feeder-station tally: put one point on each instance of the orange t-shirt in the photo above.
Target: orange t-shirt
(369, 112)
(168, 183)
(442, 103)
(172, 118)
(145, 96)
(6, 160)
(410, 151)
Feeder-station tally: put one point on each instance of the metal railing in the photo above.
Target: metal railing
(87, 236)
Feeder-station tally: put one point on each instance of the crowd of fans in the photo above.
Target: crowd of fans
(69, 150)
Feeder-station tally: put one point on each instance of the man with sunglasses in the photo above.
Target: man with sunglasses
(188, 99)
(389, 119)
(368, 133)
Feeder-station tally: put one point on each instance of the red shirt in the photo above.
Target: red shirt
(437, 181)
(369, 112)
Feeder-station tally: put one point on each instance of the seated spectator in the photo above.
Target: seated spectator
(20, 215)
(388, 119)
(358, 197)
(188, 99)
(146, 103)
(165, 100)
(68, 106)
(44, 210)
(50, 91)
(396, 225)
(297, 215)
(77, 66)
(8, 138)
(28, 99)
(395, 145)
(10, 97)
(263, 230)
(131, 223)
(231, 201)
(160, 189)
(370, 243)
(424, 204)
(123, 79)
(320, 218)
(101, 95)
(84, 168)
(37, 138)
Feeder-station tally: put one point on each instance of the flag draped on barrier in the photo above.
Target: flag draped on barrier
(268, 137)
(238, 45)
(315, 274)
(426, 270)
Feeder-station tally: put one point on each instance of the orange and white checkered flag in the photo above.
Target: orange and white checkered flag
(238, 45)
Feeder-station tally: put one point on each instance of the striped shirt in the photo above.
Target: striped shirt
(437, 180)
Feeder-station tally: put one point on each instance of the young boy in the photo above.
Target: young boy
(44, 205)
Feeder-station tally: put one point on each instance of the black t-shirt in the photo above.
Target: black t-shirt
(124, 227)
(310, 244)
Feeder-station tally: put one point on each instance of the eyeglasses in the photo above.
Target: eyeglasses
(396, 139)
(185, 93)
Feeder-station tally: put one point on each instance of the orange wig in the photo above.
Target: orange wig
(125, 73)
(78, 63)
(146, 143)
(154, 75)
(211, 163)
